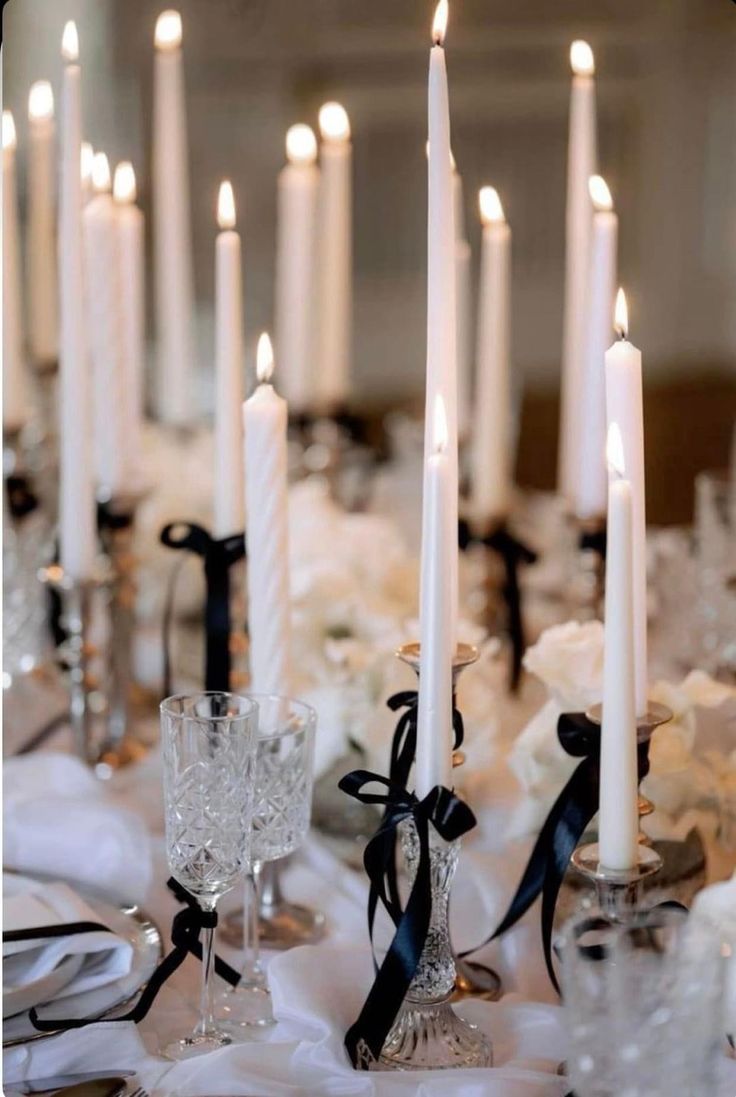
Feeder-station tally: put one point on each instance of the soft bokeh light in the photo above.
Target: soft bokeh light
(70, 42)
(100, 173)
(123, 187)
(10, 139)
(334, 124)
(582, 61)
(264, 358)
(40, 101)
(226, 205)
(301, 144)
(168, 30)
(491, 210)
(600, 195)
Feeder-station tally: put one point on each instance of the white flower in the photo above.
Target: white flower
(569, 660)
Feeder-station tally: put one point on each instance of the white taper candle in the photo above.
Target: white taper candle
(491, 431)
(229, 490)
(15, 382)
(77, 514)
(581, 164)
(619, 819)
(624, 406)
(104, 327)
(174, 280)
(296, 268)
(335, 257)
(264, 425)
(131, 245)
(42, 290)
(434, 713)
(589, 478)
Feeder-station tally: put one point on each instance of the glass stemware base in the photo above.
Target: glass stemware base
(246, 1006)
(191, 1046)
(427, 1033)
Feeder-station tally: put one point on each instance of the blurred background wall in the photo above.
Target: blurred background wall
(666, 78)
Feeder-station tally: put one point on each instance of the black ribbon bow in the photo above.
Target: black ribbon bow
(404, 742)
(218, 557)
(512, 552)
(22, 498)
(451, 818)
(594, 540)
(563, 828)
(185, 930)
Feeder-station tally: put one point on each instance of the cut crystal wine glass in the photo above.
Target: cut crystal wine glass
(281, 815)
(209, 744)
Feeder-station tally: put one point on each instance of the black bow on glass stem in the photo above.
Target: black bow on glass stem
(512, 552)
(185, 930)
(565, 825)
(451, 818)
(218, 557)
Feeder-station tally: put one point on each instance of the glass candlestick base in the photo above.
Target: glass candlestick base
(427, 1033)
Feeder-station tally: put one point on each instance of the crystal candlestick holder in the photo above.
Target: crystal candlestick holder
(79, 653)
(619, 893)
(117, 527)
(473, 979)
(427, 1033)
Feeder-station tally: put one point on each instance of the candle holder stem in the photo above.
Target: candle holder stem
(427, 1033)
(473, 979)
(79, 654)
(117, 527)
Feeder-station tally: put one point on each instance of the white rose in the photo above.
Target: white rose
(569, 660)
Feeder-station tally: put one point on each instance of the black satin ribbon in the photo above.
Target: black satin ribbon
(451, 818)
(218, 557)
(595, 540)
(61, 929)
(403, 753)
(513, 553)
(185, 930)
(22, 499)
(563, 828)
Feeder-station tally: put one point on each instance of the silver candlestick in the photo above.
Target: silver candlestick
(79, 653)
(121, 745)
(472, 979)
(619, 893)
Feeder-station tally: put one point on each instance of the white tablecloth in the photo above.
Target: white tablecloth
(318, 991)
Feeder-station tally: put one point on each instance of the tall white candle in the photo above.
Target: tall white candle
(131, 229)
(491, 433)
(103, 287)
(624, 407)
(77, 514)
(174, 281)
(86, 160)
(15, 385)
(229, 491)
(264, 425)
(335, 257)
(42, 293)
(463, 283)
(618, 821)
(441, 377)
(434, 713)
(581, 164)
(589, 483)
(298, 184)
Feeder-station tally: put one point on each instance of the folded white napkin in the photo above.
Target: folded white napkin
(61, 821)
(29, 905)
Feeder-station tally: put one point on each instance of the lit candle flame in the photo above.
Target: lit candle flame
(86, 159)
(439, 23)
(600, 195)
(70, 42)
(10, 139)
(581, 58)
(100, 173)
(264, 359)
(226, 205)
(440, 425)
(334, 124)
(168, 31)
(621, 315)
(40, 101)
(123, 187)
(615, 450)
(301, 144)
(491, 210)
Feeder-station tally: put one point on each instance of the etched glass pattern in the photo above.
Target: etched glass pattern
(284, 778)
(209, 762)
